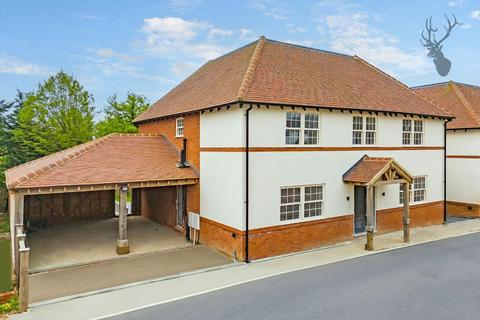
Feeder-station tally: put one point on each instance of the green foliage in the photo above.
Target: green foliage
(57, 116)
(120, 114)
(4, 223)
(5, 266)
(10, 306)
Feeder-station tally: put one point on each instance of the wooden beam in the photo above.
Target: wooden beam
(23, 287)
(122, 241)
(370, 218)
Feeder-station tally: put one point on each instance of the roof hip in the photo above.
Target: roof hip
(465, 103)
(247, 78)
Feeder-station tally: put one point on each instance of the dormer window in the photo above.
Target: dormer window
(179, 127)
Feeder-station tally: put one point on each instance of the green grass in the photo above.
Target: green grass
(4, 223)
(5, 265)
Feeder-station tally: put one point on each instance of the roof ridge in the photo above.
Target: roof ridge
(309, 48)
(247, 78)
(444, 83)
(465, 103)
(70, 153)
(355, 57)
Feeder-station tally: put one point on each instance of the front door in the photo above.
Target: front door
(360, 204)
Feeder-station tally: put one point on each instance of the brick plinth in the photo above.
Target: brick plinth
(421, 215)
(463, 210)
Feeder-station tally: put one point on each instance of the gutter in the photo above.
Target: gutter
(247, 160)
(445, 171)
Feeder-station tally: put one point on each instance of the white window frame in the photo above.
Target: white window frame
(412, 133)
(412, 191)
(301, 204)
(363, 130)
(179, 127)
(303, 129)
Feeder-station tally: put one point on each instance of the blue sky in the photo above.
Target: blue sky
(148, 47)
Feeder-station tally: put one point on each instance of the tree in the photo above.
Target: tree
(58, 115)
(119, 115)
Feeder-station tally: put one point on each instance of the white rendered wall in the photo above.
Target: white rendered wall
(463, 174)
(222, 173)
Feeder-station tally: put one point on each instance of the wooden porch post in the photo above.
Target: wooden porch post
(16, 221)
(23, 288)
(370, 219)
(406, 212)
(122, 241)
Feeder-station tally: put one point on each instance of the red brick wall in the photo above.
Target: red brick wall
(463, 210)
(272, 241)
(159, 205)
(421, 215)
(192, 133)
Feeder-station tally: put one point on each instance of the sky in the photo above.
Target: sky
(148, 47)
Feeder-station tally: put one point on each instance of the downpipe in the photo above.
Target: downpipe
(247, 162)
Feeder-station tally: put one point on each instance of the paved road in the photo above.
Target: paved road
(439, 280)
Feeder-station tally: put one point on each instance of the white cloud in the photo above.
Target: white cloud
(247, 34)
(292, 28)
(475, 15)
(110, 53)
(220, 32)
(276, 9)
(183, 5)
(352, 34)
(12, 65)
(182, 69)
(456, 3)
(305, 43)
(175, 37)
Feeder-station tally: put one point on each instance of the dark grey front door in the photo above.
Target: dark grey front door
(360, 204)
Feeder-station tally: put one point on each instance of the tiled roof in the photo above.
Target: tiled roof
(462, 100)
(116, 158)
(369, 169)
(268, 71)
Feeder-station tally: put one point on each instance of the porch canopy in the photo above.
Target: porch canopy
(375, 171)
(114, 162)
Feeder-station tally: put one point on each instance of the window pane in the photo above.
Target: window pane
(313, 193)
(357, 137)
(417, 138)
(293, 120)
(313, 209)
(369, 137)
(310, 137)
(289, 212)
(311, 121)
(370, 124)
(407, 138)
(357, 123)
(418, 126)
(407, 125)
(292, 136)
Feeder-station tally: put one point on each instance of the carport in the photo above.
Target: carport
(66, 201)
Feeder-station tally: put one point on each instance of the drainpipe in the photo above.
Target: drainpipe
(445, 170)
(247, 149)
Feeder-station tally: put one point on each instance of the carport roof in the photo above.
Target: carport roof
(111, 160)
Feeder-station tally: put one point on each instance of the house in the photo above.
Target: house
(279, 148)
(463, 144)
(298, 147)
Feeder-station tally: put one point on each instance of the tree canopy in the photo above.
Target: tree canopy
(58, 115)
(119, 115)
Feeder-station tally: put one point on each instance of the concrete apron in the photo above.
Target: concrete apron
(232, 274)
(75, 280)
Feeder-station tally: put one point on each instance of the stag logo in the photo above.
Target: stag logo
(434, 47)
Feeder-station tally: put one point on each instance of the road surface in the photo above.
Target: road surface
(438, 280)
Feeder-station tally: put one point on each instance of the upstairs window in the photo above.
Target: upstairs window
(364, 130)
(179, 127)
(412, 132)
(311, 129)
(294, 124)
(296, 133)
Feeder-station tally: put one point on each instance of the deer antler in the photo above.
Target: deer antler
(428, 41)
(450, 27)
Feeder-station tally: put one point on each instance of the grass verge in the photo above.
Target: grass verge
(4, 223)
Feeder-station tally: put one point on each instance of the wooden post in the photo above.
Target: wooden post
(16, 228)
(23, 276)
(370, 219)
(406, 212)
(122, 241)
